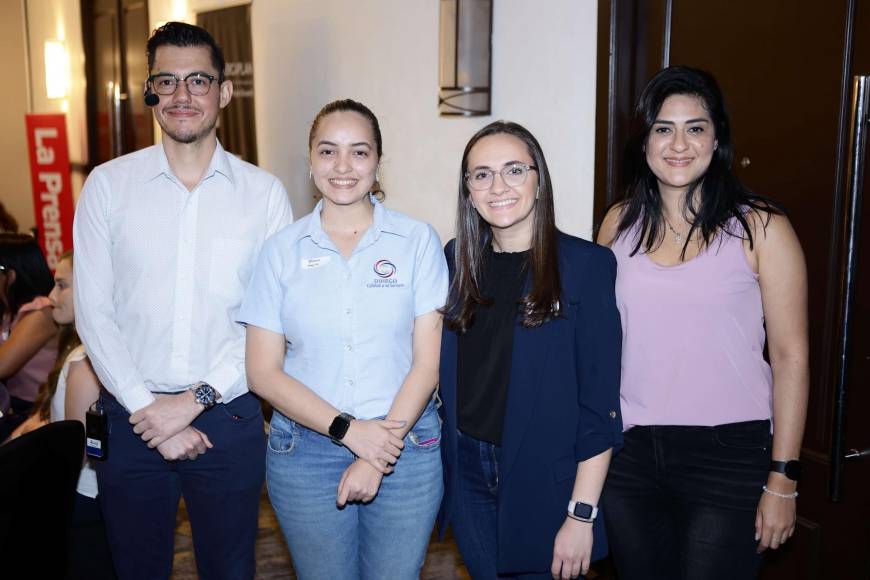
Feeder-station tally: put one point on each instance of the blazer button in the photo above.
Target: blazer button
(613, 414)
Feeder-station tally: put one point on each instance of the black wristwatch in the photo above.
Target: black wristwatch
(790, 469)
(339, 427)
(582, 511)
(205, 395)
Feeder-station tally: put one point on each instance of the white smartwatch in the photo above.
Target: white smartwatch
(582, 511)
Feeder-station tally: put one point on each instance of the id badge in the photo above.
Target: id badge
(96, 432)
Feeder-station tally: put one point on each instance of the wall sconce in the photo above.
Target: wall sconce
(57, 70)
(466, 57)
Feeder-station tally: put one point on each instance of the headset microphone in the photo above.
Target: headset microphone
(151, 98)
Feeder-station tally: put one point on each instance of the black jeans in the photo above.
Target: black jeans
(680, 502)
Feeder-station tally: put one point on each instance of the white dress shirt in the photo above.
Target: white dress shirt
(160, 271)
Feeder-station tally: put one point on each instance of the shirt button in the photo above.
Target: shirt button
(613, 414)
(348, 347)
(350, 382)
(347, 311)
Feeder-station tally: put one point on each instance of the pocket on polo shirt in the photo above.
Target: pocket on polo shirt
(230, 267)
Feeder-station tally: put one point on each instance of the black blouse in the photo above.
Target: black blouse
(484, 361)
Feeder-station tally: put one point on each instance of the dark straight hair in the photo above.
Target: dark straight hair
(474, 235)
(185, 35)
(721, 195)
(21, 253)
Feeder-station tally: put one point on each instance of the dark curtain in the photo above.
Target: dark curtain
(231, 28)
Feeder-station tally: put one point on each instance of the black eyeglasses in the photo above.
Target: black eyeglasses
(197, 83)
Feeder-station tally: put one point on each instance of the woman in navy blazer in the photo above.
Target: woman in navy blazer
(530, 366)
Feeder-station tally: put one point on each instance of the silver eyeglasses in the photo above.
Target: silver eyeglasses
(198, 83)
(513, 175)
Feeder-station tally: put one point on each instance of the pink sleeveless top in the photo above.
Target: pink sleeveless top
(693, 336)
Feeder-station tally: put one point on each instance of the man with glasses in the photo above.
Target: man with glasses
(166, 239)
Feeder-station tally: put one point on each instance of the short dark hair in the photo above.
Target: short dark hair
(474, 235)
(722, 196)
(182, 34)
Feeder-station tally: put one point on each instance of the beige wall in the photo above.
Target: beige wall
(385, 53)
(45, 20)
(15, 190)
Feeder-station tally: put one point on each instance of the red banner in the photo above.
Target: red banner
(52, 189)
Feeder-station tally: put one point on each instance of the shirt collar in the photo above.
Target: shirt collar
(156, 164)
(382, 222)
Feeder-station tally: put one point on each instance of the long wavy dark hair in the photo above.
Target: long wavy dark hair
(474, 235)
(21, 253)
(721, 196)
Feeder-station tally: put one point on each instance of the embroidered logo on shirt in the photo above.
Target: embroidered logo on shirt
(311, 263)
(384, 268)
(386, 275)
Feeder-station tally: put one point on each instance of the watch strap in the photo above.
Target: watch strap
(791, 469)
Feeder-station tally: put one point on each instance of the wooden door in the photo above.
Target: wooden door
(785, 67)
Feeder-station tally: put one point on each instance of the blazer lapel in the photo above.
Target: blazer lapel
(529, 359)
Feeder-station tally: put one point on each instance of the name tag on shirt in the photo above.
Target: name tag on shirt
(311, 263)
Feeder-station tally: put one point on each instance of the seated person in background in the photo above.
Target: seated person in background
(28, 346)
(72, 387)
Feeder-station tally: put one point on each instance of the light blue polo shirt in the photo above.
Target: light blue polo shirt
(349, 322)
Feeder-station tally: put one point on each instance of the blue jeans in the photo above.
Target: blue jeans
(680, 502)
(139, 493)
(386, 538)
(475, 521)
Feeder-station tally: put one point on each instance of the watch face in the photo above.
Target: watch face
(583, 510)
(793, 470)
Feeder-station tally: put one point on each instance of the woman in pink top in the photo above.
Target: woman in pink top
(28, 347)
(705, 267)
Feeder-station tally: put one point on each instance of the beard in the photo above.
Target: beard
(189, 135)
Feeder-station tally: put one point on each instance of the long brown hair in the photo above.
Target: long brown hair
(67, 340)
(474, 235)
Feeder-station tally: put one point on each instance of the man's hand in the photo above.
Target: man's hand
(572, 550)
(359, 482)
(165, 417)
(189, 443)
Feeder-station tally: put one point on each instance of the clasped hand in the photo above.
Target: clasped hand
(359, 482)
(374, 441)
(167, 416)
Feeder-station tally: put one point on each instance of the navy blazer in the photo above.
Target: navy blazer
(562, 408)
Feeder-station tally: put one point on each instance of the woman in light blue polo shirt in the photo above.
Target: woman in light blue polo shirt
(343, 340)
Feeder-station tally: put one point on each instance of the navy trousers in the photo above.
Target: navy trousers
(139, 494)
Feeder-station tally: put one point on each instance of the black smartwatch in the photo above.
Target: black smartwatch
(339, 427)
(582, 511)
(790, 469)
(205, 395)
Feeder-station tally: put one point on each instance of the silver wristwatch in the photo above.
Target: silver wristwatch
(204, 394)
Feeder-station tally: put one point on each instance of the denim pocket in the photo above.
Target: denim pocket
(426, 434)
(282, 439)
(745, 435)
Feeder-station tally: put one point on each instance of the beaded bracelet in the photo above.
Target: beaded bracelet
(777, 494)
